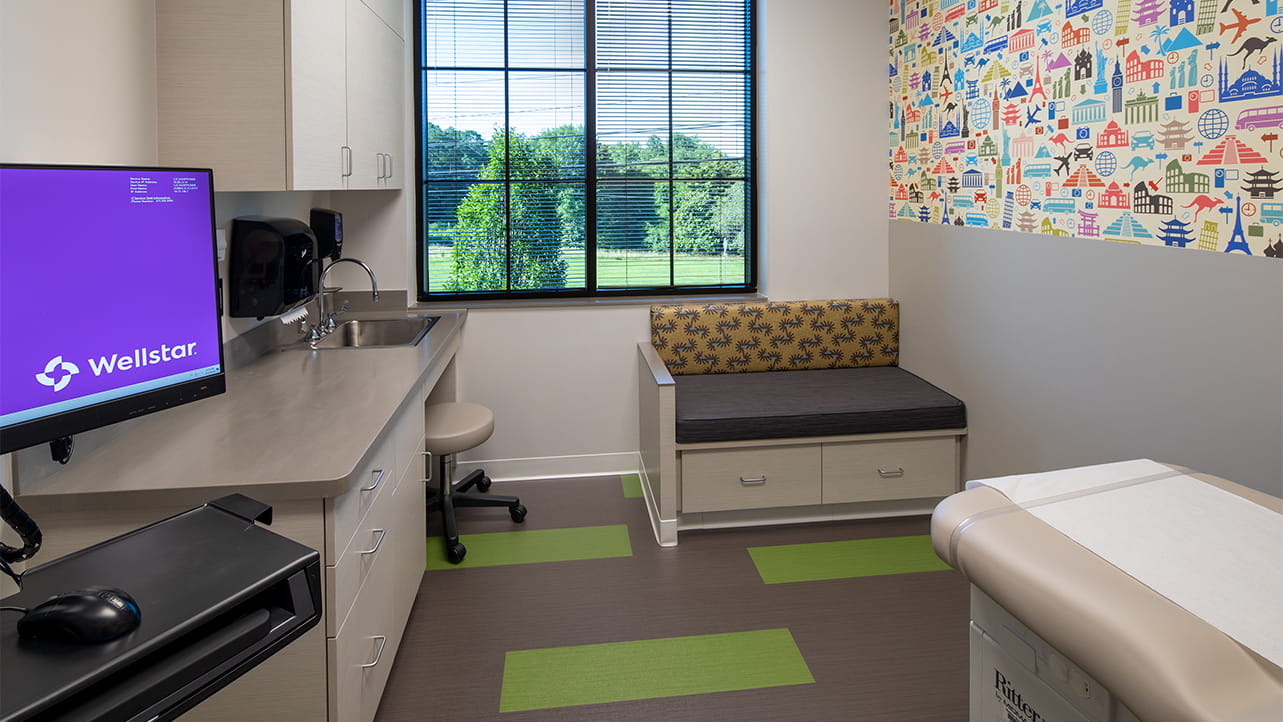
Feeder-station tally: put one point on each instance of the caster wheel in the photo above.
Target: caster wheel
(518, 513)
(455, 552)
(483, 484)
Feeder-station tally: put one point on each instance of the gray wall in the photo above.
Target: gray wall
(1071, 351)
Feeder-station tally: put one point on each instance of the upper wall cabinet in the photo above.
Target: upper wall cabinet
(283, 94)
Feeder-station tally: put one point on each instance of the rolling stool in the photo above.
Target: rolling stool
(449, 429)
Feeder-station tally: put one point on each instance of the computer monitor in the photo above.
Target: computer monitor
(109, 297)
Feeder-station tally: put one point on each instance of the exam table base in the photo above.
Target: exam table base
(1018, 677)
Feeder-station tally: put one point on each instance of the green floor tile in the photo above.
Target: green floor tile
(531, 547)
(632, 486)
(844, 559)
(650, 668)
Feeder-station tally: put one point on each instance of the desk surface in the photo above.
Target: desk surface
(292, 425)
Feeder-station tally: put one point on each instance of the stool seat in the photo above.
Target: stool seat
(456, 426)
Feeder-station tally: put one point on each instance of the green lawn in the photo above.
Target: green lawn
(624, 269)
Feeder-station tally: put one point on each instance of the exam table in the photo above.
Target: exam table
(1130, 591)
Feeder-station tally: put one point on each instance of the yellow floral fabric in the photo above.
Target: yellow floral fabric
(719, 338)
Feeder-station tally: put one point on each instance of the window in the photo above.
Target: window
(585, 148)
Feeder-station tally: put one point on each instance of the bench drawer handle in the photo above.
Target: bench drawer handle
(891, 473)
(753, 480)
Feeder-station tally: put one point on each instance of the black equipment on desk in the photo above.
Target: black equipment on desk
(219, 594)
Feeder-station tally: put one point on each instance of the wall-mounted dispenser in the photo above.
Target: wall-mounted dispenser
(328, 227)
(273, 266)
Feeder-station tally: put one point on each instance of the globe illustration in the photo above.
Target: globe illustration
(1102, 22)
(1213, 123)
(981, 113)
(1106, 163)
(937, 150)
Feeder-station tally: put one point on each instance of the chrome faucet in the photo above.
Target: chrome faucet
(325, 322)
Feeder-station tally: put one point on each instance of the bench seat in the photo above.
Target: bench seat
(810, 403)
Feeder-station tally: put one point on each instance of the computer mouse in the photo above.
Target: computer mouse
(89, 616)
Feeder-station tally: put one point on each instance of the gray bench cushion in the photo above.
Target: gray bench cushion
(821, 402)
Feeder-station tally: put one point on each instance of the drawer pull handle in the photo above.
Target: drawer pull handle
(383, 642)
(382, 533)
(377, 480)
(891, 473)
(753, 480)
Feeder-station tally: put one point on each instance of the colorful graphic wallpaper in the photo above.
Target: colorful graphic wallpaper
(1146, 121)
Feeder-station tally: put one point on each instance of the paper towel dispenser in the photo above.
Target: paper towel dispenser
(273, 266)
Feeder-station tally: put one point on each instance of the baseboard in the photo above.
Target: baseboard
(554, 467)
(665, 529)
(805, 514)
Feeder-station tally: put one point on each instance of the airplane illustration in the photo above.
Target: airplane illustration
(1240, 26)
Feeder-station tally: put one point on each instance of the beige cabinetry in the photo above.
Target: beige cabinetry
(283, 94)
(826, 470)
(374, 573)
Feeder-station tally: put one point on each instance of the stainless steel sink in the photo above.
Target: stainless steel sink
(378, 332)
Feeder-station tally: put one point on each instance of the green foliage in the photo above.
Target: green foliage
(514, 238)
(524, 215)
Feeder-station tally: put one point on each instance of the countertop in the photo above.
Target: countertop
(293, 424)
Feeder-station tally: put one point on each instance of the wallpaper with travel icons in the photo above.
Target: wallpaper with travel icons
(1146, 121)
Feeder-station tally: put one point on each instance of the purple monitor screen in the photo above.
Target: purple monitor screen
(108, 296)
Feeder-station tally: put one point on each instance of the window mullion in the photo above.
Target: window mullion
(590, 147)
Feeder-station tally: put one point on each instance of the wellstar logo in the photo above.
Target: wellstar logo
(58, 373)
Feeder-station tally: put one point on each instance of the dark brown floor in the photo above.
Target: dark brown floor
(880, 648)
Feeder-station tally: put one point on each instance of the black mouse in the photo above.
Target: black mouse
(88, 616)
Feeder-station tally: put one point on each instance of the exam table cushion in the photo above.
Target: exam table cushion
(818, 402)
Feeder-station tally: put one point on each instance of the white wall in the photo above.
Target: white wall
(1071, 351)
(78, 81)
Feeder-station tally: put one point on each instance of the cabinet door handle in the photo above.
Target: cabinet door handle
(383, 642)
(753, 480)
(389, 166)
(345, 160)
(379, 542)
(891, 473)
(378, 479)
(381, 163)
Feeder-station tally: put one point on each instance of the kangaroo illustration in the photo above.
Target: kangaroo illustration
(1060, 139)
(1252, 45)
(1203, 203)
(1138, 163)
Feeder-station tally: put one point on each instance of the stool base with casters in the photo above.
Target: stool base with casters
(451, 428)
(447, 496)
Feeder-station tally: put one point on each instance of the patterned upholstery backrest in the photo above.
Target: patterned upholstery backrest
(720, 338)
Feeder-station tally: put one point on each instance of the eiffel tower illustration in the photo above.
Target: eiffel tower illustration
(1037, 89)
(1238, 241)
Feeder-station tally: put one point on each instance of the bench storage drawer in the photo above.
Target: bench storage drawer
(751, 478)
(891, 469)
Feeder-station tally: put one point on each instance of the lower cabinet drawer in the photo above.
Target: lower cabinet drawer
(750, 478)
(885, 470)
(370, 543)
(360, 657)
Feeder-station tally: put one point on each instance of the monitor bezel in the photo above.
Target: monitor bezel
(32, 432)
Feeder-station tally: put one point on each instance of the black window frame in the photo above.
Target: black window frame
(590, 179)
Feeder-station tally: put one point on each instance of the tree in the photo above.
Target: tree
(509, 238)
(708, 207)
